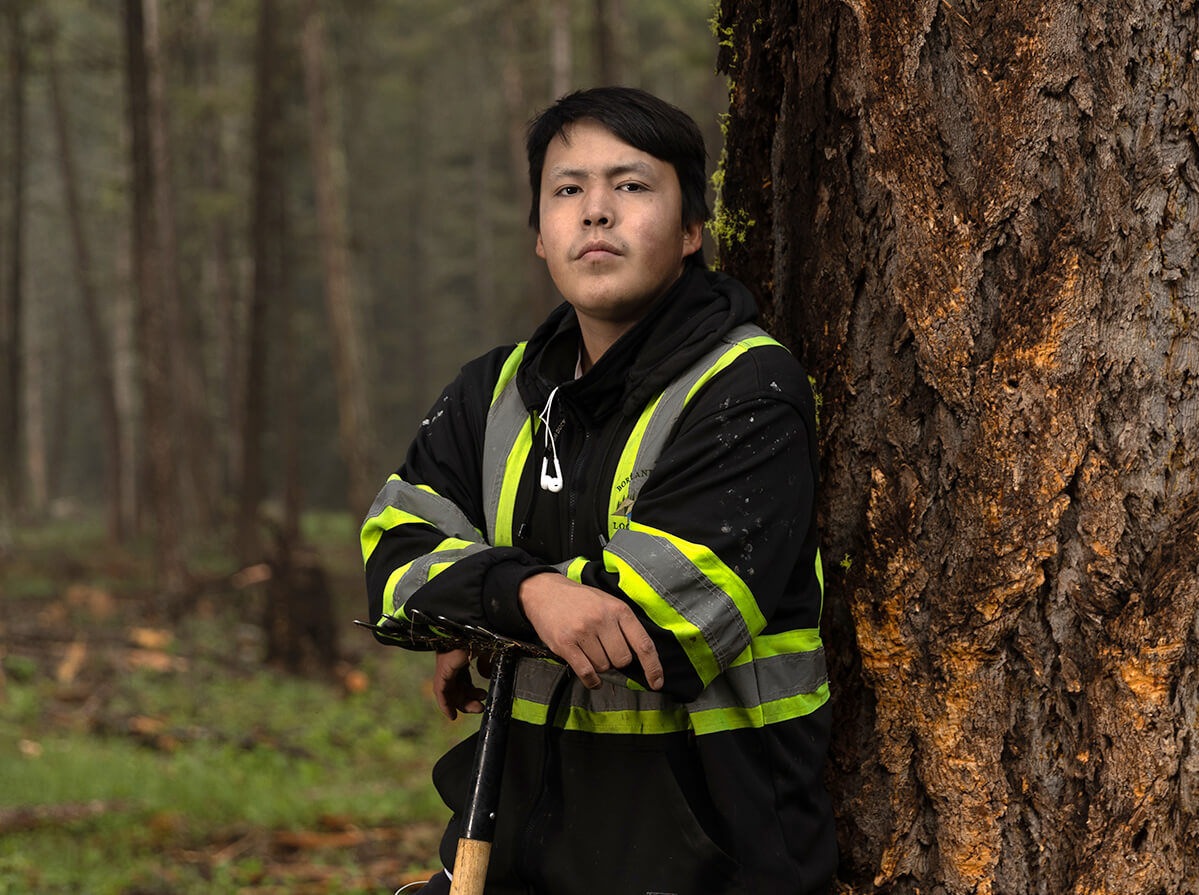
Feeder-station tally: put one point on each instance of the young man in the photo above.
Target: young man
(633, 488)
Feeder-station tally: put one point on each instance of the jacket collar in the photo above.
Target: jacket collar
(695, 312)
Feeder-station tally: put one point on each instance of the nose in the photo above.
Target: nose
(597, 213)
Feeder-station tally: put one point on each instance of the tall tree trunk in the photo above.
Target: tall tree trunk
(979, 227)
(268, 171)
(354, 423)
(608, 25)
(560, 48)
(517, 105)
(191, 428)
(220, 277)
(11, 313)
(152, 329)
(97, 337)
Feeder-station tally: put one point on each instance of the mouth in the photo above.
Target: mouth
(597, 249)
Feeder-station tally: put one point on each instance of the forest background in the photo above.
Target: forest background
(243, 245)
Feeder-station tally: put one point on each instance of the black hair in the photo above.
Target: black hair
(644, 122)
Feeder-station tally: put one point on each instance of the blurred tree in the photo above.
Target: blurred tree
(98, 340)
(155, 347)
(266, 235)
(12, 472)
(978, 224)
(356, 433)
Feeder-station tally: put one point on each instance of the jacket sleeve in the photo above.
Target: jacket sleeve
(721, 543)
(423, 541)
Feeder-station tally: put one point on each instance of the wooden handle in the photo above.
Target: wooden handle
(470, 867)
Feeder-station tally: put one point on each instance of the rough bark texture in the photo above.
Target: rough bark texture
(977, 224)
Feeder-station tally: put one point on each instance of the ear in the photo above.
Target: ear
(693, 238)
(540, 248)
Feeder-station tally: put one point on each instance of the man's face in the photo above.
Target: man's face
(611, 231)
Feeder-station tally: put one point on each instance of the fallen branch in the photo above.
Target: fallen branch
(30, 817)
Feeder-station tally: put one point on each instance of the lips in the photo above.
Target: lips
(597, 245)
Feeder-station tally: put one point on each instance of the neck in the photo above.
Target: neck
(598, 336)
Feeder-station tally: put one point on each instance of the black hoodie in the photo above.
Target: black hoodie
(737, 476)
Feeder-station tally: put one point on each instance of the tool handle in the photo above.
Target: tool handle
(470, 867)
(478, 824)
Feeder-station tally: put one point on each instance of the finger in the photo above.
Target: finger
(582, 667)
(443, 699)
(647, 654)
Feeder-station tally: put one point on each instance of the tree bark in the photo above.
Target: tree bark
(97, 337)
(354, 424)
(978, 227)
(152, 328)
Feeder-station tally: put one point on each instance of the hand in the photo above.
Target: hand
(591, 630)
(453, 687)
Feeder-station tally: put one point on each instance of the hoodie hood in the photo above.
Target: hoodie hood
(689, 319)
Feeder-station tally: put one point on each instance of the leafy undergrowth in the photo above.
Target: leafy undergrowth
(144, 748)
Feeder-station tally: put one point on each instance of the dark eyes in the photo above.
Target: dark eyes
(624, 187)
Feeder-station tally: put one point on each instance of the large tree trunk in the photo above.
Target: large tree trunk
(97, 336)
(978, 226)
(349, 363)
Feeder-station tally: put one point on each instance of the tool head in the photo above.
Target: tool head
(441, 633)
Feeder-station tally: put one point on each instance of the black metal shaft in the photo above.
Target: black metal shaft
(487, 773)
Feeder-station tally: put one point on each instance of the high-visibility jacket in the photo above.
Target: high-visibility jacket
(750, 679)
(457, 528)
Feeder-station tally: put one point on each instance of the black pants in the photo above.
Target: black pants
(614, 815)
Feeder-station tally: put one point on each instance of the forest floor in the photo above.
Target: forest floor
(147, 750)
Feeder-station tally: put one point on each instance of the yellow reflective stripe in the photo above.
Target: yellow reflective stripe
(513, 467)
(715, 570)
(662, 614)
(390, 518)
(508, 370)
(626, 721)
(727, 358)
(785, 709)
(820, 581)
(529, 711)
(802, 640)
(575, 570)
(389, 592)
(702, 722)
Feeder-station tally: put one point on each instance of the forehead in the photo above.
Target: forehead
(587, 147)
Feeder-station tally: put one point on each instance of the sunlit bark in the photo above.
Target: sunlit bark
(978, 228)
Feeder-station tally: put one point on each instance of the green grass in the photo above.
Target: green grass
(228, 750)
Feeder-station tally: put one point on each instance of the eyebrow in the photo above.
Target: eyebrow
(618, 170)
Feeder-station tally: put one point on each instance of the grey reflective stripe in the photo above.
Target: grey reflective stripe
(418, 573)
(688, 591)
(744, 687)
(764, 680)
(536, 680)
(671, 405)
(442, 514)
(505, 420)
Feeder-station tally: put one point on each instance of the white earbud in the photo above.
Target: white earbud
(551, 482)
